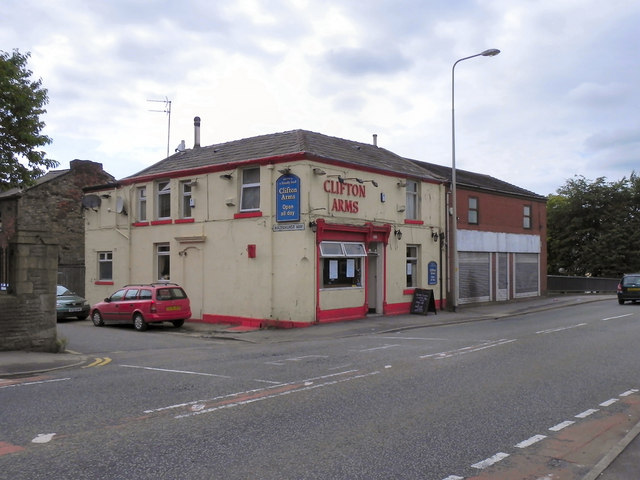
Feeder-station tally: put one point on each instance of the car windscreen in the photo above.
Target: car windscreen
(631, 281)
(60, 291)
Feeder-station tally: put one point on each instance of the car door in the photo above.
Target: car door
(128, 305)
(111, 308)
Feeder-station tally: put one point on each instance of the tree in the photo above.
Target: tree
(594, 227)
(22, 102)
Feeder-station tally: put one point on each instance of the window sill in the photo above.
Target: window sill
(162, 222)
(185, 220)
(413, 222)
(140, 224)
(247, 215)
(103, 282)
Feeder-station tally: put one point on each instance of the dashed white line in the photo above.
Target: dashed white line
(383, 347)
(619, 316)
(530, 441)
(629, 392)
(453, 477)
(560, 426)
(490, 461)
(34, 383)
(609, 402)
(586, 413)
(553, 330)
(465, 350)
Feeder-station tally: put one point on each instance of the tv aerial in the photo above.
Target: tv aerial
(167, 110)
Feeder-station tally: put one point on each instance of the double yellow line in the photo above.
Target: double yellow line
(99, 362)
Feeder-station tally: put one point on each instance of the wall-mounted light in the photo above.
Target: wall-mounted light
(192, 183)
(398, 234)
(435, 236)
(226, 176)
(313, 226)
(401, 184)
(319, 171)
(285, 171)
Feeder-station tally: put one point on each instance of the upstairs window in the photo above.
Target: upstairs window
(141, 194)
(250, 193)
(411, 211)
(526, 216)
(473, 211)
(164, 199)
(185, 204)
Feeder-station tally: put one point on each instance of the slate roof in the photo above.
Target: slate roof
(319, 146)
(478, 181)
(47, 177)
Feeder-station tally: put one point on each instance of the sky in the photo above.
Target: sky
(560, 100)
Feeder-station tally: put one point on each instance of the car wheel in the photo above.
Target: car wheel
(621, 301)
(139, 323)
(97, 319)
(178, 323)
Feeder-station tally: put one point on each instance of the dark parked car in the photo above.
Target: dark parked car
(143, 304)
(70, 305)
(629, 288)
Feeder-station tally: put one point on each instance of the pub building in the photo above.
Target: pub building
(286, 229)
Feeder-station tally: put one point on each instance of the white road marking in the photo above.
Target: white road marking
(530, 441)
(34, 383)
(553, 330)
(294, 359)
(275, 395)
(619, 316)
(490, 461)
(176, 371)
(246, 392)
(465, 350)
(586, 413)
(609, 402)
(383, 347)
(453, 477)
(629, 392)
(562, 425)
(414, 338)
(43, 438)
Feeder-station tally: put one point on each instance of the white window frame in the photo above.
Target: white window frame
(473, 214)
(105, 258)
(141, 194)
(185, 196)
(526, 217)
(413, 279)
(342, 261)
(163, 254)
(163, 194)
(412, 207)
(249, 186)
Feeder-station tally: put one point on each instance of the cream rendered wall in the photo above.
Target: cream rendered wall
(209, 256)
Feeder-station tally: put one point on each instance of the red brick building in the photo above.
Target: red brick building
(502, 237)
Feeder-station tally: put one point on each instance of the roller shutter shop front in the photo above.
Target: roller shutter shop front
(475, 277)
(526, 275)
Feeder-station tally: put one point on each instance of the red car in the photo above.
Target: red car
(143, 304)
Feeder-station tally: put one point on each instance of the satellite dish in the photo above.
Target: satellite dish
(120, 206)
(91, 201)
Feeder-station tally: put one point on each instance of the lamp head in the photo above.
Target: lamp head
(492, 52)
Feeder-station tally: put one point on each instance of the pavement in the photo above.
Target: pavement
(621, 463)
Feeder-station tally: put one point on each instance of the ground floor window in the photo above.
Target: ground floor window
(163, 256)
(526, 274)
(412, 266)
(105, 266)
(341, 264)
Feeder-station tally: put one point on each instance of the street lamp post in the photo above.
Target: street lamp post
(492, 52)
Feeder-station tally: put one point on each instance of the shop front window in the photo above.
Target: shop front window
(342, 264)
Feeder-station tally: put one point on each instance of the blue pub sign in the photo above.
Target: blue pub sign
(288, 198)
(432, 270)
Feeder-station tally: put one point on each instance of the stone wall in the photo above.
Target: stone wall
(28, 312)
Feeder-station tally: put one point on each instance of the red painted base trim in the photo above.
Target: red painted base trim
(247, 214)
(341, 314)
(404, 308)
(250, 322)
(413, 222)
(102, 283)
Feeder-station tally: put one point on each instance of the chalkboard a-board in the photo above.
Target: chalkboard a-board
(423, 302)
